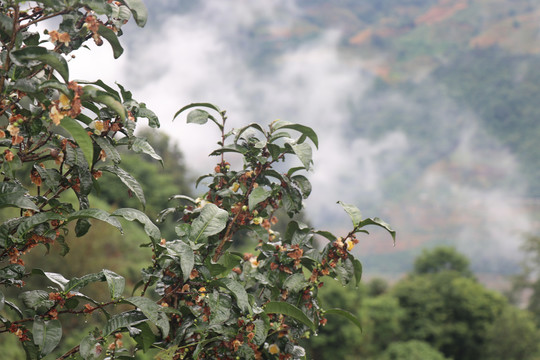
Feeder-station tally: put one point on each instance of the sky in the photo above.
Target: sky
(205, 54)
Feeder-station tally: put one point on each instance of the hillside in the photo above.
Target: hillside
(432, 107)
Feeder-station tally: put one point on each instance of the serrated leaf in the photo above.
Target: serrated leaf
(278, 307)
(353, 211)
(128, 180)
(347, 315)
(115, 282)
(34, 55)
(239, 293)
(139, 11)
(97, 214)
(135, 215)
(152, 311)
(261, 331)
(345, 271)
(111, 37)
(80, 136)
(185, 256)
(47, 334)
(257, 196)
(210, 222)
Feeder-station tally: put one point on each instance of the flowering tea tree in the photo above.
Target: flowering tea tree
(198, 298)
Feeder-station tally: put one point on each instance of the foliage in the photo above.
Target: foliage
(411, 350)
(448, 311)
(513, 335)
(198, 299)
(442, 258)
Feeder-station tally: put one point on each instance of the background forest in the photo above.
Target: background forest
(427, 113)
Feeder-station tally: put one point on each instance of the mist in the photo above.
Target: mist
(461, 187)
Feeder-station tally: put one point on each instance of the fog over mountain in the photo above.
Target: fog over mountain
(410, 154)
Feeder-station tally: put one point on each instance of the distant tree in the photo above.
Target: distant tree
(411, 350)
(449, 311)
(512, 336)
(442, 258)
(529, 278)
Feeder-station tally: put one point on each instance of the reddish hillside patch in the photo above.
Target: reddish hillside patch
(441, 12)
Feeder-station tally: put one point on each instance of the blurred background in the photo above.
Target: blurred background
(427, 117)
(426, 110)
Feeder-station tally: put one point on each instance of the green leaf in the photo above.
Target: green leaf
(153, 312)
(357, 270)
(76, 284)
(304, 153)
(122, 320)
(210, 222)
(87, 348)
(252, 125)
(198, 116)
(34, 55)
(97, 214)
(93, 94)
(142, 146)
(54, 84)
(295, 282)
(135, 215)
(39, 218)
(326, 234)
(80, 135)
(346, 315)
(98, 6)
(56, 278)
(105, 144)
(115, 282)
(220, 308)
(47, 334)
(345, 271)
(37, 300)
(238, 291)
(51, 177)
(305, 130)
(111, 37)
(2, 300)
(13, 195)
(145, 338)
(353, 212)
(279, 307)
(261, 331)
(303, 184)
(257, 196)
(143, 112)
(128, 180)
(380, 223)
(206, 105)
(185, 256)
(139, 11)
